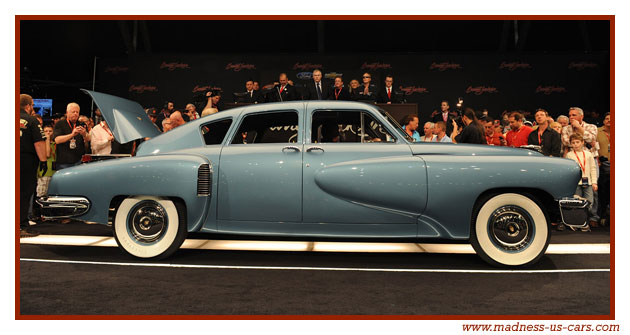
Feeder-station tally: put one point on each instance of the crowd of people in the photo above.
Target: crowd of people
(63, 142)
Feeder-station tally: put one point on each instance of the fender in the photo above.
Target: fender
(170, 175)
(452, 184)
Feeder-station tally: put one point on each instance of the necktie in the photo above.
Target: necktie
(389, 93)
(319, 92)
(251, 94)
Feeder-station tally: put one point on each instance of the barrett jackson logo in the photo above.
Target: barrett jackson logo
(444, 66)
(240, 66)
(116, 69)
(511, 66)
(142, 88)
(582, 65)
(375, 66)
(479, 90)
(173, 66)
(409, 90)
(547, 90)
(306, 66)
(206, 88)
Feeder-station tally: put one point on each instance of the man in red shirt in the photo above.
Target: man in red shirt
(492, 137)
(519, 133)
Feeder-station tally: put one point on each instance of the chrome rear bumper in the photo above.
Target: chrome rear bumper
(59, 207)
(574, 212)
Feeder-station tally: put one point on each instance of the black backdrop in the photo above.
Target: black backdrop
(496, 82)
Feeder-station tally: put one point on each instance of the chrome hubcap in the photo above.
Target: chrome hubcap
(147, 222)
(511, 228)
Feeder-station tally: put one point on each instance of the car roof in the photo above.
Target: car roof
(299, 105)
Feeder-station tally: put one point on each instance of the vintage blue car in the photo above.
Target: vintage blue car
(314, 169)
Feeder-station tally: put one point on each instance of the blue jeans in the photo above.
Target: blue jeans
(587, 192)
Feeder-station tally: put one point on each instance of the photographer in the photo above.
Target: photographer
(71, 137)
(473, 131)
(212, 101)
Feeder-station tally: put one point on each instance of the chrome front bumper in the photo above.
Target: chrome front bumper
(574, 212)
(59, 207)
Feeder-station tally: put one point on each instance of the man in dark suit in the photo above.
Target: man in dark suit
(339, 92)
(367, 90)
(387, 94)
(444, 115)
(316, 89)
(283, 91)
(252, 96)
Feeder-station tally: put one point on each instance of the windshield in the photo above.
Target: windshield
(395, 124)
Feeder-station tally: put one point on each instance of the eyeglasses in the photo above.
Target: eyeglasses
(367, 77)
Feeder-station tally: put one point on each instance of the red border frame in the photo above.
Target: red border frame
(611, 316)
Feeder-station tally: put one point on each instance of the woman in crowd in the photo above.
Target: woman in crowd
(556, 126)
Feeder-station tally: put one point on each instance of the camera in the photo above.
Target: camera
(458, 108)
(81, 124)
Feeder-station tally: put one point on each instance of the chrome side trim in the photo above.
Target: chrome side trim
(60, 207)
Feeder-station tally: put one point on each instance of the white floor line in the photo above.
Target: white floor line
(302, 268)
(101, 241)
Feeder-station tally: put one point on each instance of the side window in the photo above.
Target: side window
(214, 132)
(347, 127)
(275, 127)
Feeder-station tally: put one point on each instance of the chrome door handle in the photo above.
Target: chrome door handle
(314, 148)
(291, 147)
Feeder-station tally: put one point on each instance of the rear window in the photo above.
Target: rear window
(214, 132)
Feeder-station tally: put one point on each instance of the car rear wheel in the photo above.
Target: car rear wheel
(150, 227)
(509, 229)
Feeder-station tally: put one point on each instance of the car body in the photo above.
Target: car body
(313, 169)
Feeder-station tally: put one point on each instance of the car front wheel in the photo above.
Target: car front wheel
(150, 227)
(509, 229)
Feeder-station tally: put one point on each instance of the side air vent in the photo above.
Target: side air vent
(204, 180)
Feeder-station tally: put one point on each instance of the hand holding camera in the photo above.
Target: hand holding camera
(81, 130)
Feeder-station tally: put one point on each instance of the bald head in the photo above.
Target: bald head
(283, 79)
(176, 119)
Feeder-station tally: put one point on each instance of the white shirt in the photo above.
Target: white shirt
(99, 140)
(585, 159)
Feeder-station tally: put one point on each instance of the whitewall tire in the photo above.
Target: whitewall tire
(509, 229)
(149, 227)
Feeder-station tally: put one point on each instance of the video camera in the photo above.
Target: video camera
(459, 107)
